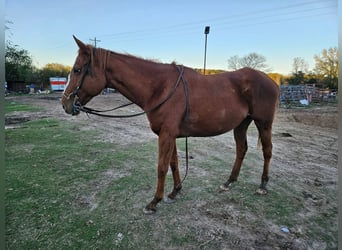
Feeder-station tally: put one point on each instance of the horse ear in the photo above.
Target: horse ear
(80, 44)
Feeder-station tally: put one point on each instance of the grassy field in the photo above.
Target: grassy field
(66, 189)
(52, 179)
(11, 106)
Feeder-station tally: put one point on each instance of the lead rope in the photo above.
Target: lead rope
(187, 110)
(186, 159)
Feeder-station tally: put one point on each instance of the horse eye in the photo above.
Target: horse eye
(77, 70)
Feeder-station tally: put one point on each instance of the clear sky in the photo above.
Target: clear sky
(174, 30)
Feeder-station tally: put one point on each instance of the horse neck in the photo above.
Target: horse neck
(137, 79)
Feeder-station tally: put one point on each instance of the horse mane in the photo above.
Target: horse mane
(104, 53)
(154, 60)
(131, 56)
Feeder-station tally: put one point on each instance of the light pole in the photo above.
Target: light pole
(206, 32)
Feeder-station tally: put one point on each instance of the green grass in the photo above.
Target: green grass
(49, 167)
(65, 189)
(11, 106)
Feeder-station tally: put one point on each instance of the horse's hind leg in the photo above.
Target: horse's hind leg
(265, 135)
(177, 185)
(240, 136)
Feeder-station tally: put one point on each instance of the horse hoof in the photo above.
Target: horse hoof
(225, 187)
(261, 191)
(148, 211)
(169, 200)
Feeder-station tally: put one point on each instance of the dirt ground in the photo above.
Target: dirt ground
(305, 155)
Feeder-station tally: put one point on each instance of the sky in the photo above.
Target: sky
(170, 31)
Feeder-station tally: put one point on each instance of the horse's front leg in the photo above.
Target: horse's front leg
(166, 145)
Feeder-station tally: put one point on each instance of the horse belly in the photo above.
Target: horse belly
(211, 123)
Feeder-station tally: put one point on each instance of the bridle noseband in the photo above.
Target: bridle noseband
(76, 107)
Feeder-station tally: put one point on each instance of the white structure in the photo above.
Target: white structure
(58, 83)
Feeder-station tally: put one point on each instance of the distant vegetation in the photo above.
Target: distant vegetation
(325, 72)
(210, 71)
(19, 67)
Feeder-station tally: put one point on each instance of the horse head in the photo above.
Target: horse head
(86, 79)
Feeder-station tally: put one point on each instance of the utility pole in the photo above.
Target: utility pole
(95, 41)
(206, 32)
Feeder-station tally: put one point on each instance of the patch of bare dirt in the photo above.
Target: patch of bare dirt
(305, 156)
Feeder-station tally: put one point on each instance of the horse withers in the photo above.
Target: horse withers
(179, 102)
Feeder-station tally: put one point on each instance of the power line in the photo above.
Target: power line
(288, 12)
(142, 34)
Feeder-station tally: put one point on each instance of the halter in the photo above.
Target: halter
(76, 107)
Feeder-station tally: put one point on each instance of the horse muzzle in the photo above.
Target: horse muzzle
(71, 105)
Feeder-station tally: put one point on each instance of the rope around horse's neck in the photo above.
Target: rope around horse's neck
(97, 112)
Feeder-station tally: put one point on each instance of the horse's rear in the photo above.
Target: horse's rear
(261, 94)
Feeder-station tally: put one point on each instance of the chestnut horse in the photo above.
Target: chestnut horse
(179, 102)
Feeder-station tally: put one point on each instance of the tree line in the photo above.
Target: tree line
(19, 67)
(324, 73)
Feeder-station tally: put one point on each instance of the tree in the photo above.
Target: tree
(18, 61)
(327, 67)
(234, 63)
(53, 69)
(18, 64)
(296, 78)
(251, 60)
(299, 64)
(278, 78)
